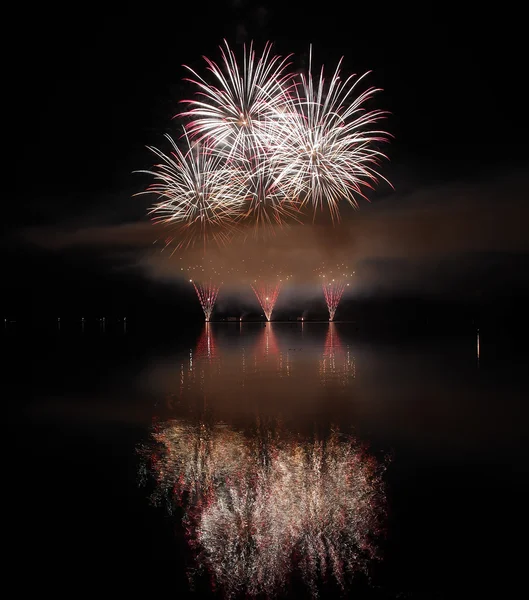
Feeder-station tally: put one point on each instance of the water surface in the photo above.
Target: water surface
(437, 424)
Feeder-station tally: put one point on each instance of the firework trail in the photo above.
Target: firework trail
(267, 295)
(261, 506)
(326, 150)
(237, 109)
(207, 294)
(196, 194)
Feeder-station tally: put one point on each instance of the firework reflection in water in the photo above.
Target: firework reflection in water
(337, 364)
(260, 507)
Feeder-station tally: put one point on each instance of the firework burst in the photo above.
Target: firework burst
(235, 111)
(264, 204)
(196, 196)
(326, 149)
(207, 294)
(260, 144)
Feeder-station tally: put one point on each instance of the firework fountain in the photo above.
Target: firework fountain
(207, 294)
(267, 295)
(333, 290)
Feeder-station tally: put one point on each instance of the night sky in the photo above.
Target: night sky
(91, 89)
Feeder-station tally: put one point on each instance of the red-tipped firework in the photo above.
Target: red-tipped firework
(333, 290)
(267, 295)
(207, 294)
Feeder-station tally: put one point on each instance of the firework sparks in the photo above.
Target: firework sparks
(264, 204)
(267, 295)
(326, 148)
(334, 282)
(261, 507)
(207, 294)
(195, 194)
(236, 110)
(261, 144)
(333, 290)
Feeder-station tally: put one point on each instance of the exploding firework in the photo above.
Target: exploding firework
(237, 109)
(196, 195)
(264, 204)
(261, 143)
(267, 295)
(326, 149)
(207, 294)
(259, 507)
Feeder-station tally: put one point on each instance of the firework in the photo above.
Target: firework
(267, 295)
(236, 110)
(263, 201)
(326, 149)
(260, 144)
(207, 294)
(333, 290)
(196, 195)
(261, 506)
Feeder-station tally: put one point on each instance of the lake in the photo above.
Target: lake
(274, 458)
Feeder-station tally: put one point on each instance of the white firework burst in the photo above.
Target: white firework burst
(326, 149)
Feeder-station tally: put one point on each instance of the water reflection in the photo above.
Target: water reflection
(205, 347)
(337, 362)
(262, 503)
(242, 365)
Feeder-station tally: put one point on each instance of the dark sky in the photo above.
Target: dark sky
(92, 87)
